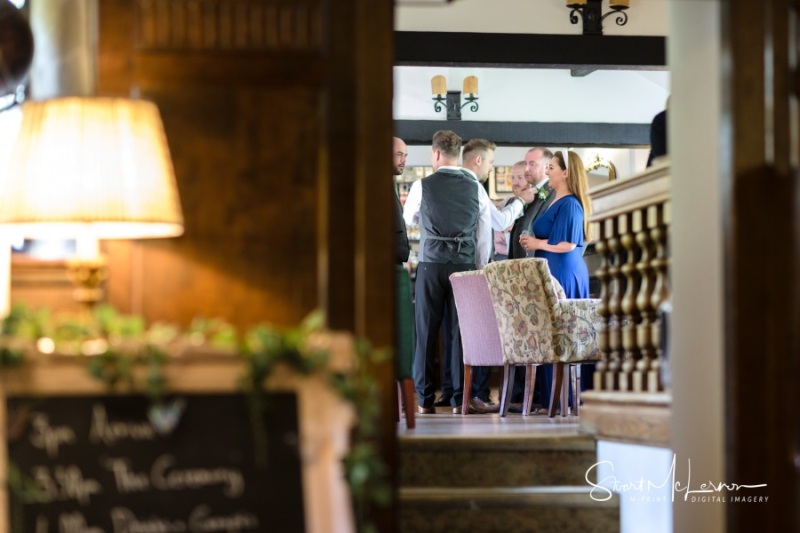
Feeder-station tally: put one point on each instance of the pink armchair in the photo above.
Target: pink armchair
(480, 337)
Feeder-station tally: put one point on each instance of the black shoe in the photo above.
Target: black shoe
(426, 410)
(443, 401)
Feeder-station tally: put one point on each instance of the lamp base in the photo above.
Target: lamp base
(87, 277)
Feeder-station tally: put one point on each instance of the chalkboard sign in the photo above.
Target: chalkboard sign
(111, 464)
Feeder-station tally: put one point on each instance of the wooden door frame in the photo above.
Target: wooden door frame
(761, 258)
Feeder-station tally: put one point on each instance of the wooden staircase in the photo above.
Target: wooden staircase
(483, 474)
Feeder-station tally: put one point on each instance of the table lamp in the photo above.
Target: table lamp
(89, 169)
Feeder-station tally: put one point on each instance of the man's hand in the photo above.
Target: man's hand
(528, 195)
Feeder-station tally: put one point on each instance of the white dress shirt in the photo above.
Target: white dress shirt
(501, 218)
(489, 217)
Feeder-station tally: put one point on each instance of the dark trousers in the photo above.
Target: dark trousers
(447, 382)
(544, 382)
(480, 382)
(541, 389)
(434, 302)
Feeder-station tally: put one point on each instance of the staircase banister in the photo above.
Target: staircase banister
(631, 220)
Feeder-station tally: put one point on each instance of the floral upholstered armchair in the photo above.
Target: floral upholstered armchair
(538, 325)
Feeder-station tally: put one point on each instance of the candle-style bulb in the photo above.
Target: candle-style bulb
(438, 85)
(471, 85)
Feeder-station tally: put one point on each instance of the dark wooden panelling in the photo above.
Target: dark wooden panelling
(374, 266)
(530, 50)
(217, 69)
(761, 262)
(222, 24)
(244, 129)
(278, 116)
(529, 133)
(41, 284)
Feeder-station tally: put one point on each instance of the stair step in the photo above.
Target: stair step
(502, 509)
(492, 461)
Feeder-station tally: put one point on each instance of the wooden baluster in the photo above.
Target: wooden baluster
(658, 232)
(644, 338)
(601, 247)
(628, 303)
(616, 283)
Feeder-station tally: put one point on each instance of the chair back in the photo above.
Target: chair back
(524, 296)
(476, 316)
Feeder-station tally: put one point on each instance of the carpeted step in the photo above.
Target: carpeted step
(543, 509)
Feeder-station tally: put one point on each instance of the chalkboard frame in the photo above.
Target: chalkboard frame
(324, 418)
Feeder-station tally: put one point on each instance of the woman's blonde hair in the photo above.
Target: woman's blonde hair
(578, 184)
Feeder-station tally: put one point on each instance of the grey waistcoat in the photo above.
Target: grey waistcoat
(448, 217)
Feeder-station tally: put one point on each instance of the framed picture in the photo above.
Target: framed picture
(502, 180)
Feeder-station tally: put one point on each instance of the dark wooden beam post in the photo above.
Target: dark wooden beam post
(762, 246)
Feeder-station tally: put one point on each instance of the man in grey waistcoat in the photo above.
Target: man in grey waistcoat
(454, 215)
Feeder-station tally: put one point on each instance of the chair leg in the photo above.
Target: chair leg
(527, 397)
(565, 390)
(575, 371)
(555, 392)
(467, 389)
(400, 404)
(409, 402)
(508, 384)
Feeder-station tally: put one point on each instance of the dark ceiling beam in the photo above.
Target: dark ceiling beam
(510, 50)
(420, 132)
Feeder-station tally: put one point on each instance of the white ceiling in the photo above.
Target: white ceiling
(541, 95)
(645, 17)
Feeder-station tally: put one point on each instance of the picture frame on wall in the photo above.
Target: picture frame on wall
(502, 180)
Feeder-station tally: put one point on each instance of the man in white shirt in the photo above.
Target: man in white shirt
(434, 305)
(450, 212)
(478, 161)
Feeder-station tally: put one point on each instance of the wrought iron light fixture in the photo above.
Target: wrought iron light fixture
(591, 11)
(452, 99)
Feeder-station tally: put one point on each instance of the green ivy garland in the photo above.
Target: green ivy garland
(119, 344)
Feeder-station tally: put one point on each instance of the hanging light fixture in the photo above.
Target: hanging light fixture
(591, 11)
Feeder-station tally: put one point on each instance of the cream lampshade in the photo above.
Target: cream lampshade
(88, 169)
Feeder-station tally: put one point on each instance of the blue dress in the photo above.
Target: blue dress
(563, 221)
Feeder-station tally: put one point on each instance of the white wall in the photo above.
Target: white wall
(697, 241)
(537, 95)
(645, 17)
(627, 161)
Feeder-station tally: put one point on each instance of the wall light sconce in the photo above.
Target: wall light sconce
(452, 99)
(591, 12)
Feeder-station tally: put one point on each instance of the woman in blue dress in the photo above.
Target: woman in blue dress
(559, 234)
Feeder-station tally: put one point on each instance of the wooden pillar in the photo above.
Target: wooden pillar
(278, 116)
(762, 238)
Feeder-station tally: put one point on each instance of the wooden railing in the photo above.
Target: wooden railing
(631, 220)
(631, 225)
